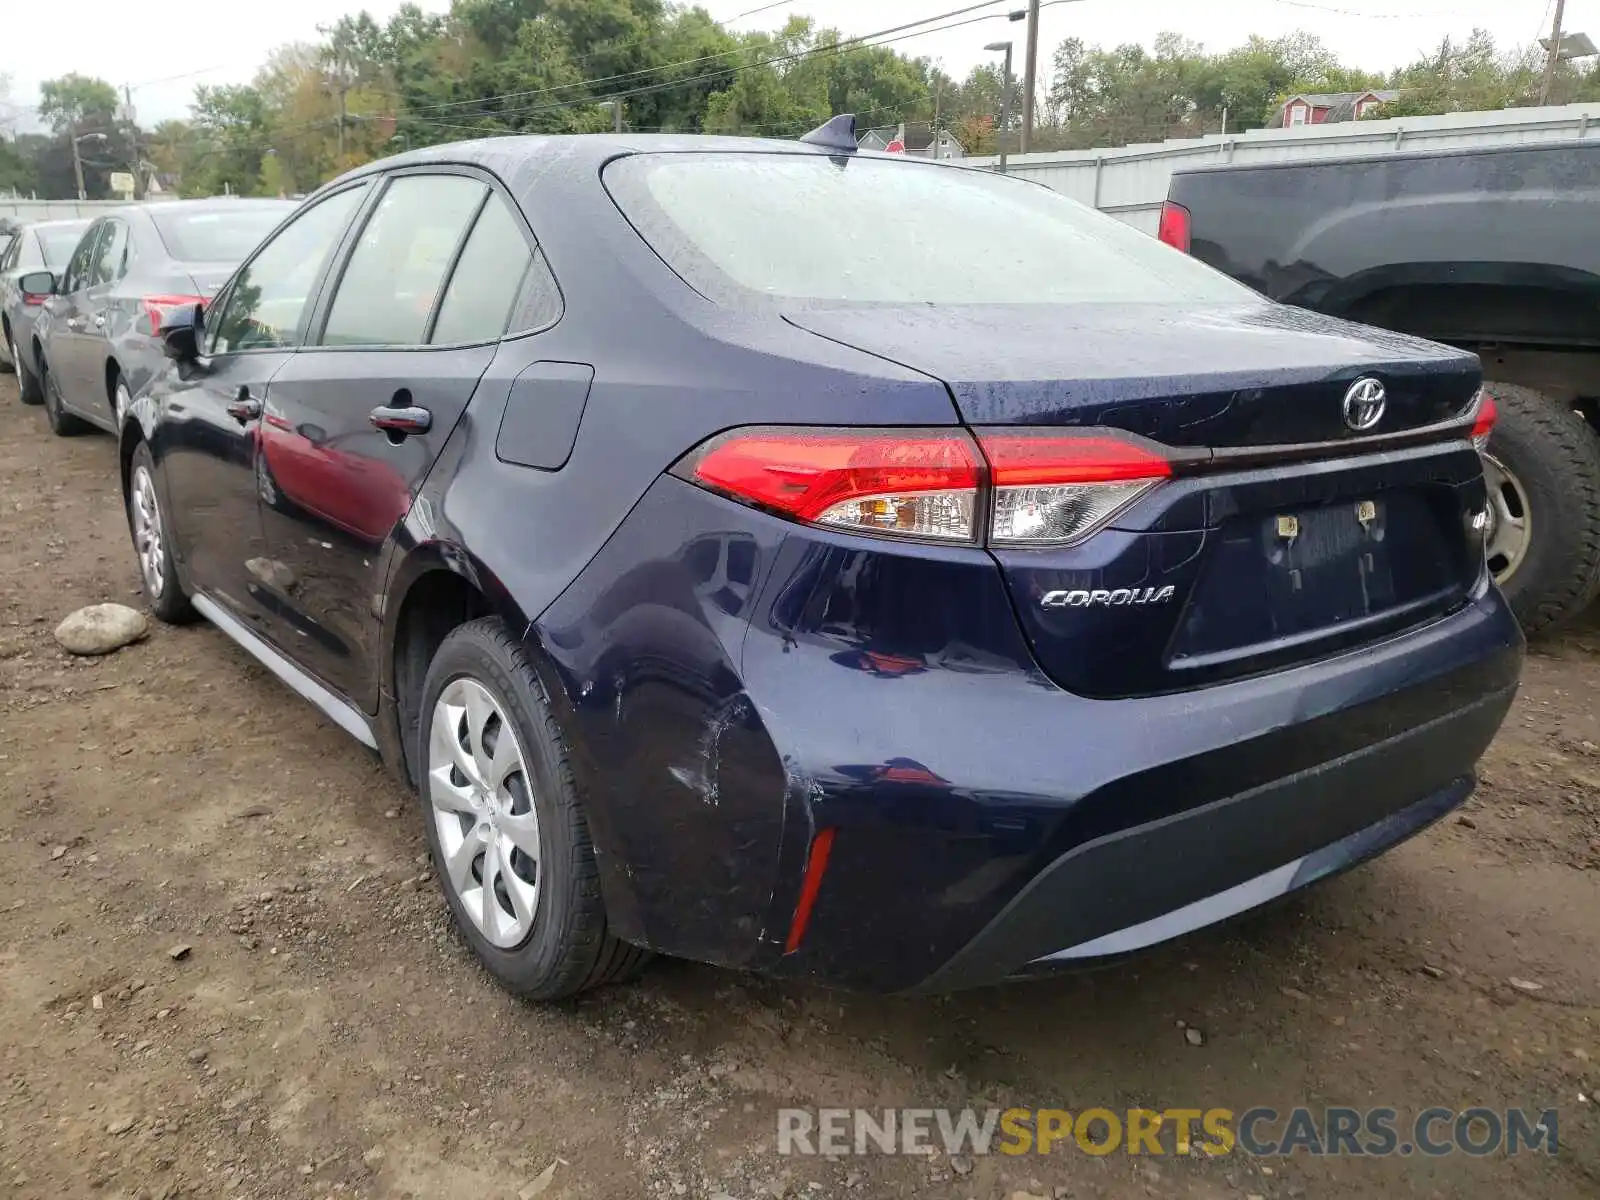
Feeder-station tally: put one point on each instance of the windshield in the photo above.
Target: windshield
(218, 236)
(57, 242)
(809, 227)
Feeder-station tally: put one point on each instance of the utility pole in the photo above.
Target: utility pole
(343, 88)
(938, 92)
(1555, 53)
(1005, 100)
(77, 170)
(133, 141)
(1030, 75)
(616, 116)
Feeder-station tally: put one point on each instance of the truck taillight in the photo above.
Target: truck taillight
(1174, 229)
(1048, 487)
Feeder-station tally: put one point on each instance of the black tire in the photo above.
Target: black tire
(9, 368)
(569, 948)
(168, 602)
(1555, 459)
(27, 381)
(62, 423)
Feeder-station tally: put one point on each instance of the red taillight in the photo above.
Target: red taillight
(1048, 487)
(915, 483)
(163, 310)
(1054, 488)
(1174, 230)
(1483, 423)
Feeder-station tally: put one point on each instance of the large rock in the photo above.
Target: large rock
(101, 628)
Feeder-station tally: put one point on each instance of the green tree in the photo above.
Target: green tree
(75, 104)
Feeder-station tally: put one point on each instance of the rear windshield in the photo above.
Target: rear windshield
(811, 228)
(59, 241)
(218, 237)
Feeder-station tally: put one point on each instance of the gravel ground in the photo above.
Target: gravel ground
(325, 1034)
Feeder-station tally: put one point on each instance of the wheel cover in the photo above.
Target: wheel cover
(121, 402)
(481, 795)
(1510, 531)
(145, 512)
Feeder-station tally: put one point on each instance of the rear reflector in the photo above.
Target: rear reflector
(1483, 422)
(1174, 228)
(906, 482)
(816, 867)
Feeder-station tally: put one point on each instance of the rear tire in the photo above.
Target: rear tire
(480, 691)
(62, 423)
(1543, 464)
(27, 381)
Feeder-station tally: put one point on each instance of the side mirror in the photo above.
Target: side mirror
(180, 343)
(36, 286)
(180, 338)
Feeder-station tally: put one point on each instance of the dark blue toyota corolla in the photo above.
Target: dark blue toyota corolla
(826, 564)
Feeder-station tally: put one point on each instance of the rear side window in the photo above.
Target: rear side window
(217, 237)
(799, 228)
(110, 254)
(487, 279)
(397, 269)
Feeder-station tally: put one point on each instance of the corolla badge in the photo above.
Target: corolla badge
(1364, 403)
(1102, 598)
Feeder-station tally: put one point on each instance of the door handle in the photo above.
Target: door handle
(402, 421)
(244, 407)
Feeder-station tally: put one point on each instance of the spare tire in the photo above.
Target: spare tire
(1542, 466)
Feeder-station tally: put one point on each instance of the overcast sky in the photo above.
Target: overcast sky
(148, 45)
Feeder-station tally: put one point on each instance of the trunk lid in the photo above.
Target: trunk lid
(1260, 375)
(1286, 535)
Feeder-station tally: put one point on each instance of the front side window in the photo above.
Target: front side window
(799, 229)
(397, 269)
(81, 263)
(269, 298)
(484, 286)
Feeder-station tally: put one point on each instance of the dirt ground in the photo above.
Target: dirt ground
(327, 1035)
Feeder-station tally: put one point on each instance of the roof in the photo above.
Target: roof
(1341, 106)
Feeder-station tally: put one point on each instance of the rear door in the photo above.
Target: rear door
(94, 349)
(355, 421)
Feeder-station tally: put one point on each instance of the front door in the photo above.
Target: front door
(208, 441)
(67, 351)
(354, 423)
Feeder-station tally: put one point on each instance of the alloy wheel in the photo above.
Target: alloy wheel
(122, 399)
(1510, 531)
(145, 511)
(16, 359)
(481, 797)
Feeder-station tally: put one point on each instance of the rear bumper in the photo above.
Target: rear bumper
(1130, 890)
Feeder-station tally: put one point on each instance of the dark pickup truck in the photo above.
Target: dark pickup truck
(1496, 250)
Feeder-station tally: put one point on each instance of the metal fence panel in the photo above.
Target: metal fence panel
(1130, 182)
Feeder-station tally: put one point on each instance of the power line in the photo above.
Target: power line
(753, 11)
(591, 84)
(831, 49)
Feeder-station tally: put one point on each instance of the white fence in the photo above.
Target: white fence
(25, 211)
(1130, 182)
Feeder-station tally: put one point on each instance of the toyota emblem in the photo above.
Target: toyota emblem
(1364, 404)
